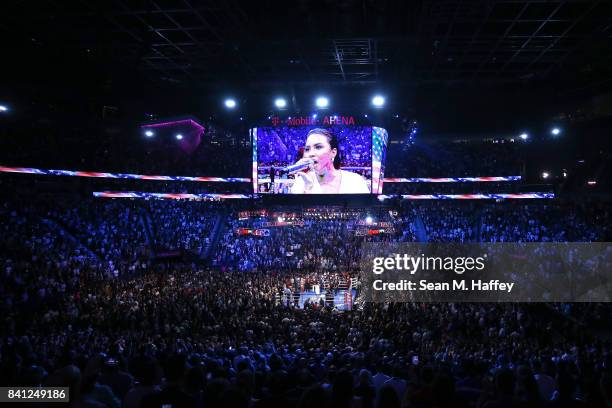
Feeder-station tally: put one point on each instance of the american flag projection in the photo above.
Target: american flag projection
(254, 143)
(379, 150)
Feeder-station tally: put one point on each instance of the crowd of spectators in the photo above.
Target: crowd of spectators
(545, 222)
(448, 222)
(216, 337)
(314, 244)
(118, 235)
(114, 231)
(39, 260)
(185, 226)
(190, 335)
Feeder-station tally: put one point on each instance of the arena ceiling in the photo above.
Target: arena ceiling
(324, 41)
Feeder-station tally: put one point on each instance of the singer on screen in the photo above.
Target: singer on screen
(323, 175)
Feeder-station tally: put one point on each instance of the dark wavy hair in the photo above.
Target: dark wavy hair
(333, 143)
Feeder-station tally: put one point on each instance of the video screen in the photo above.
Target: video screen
(315, 160)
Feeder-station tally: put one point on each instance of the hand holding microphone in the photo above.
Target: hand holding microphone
(300, 165)
(308, 179)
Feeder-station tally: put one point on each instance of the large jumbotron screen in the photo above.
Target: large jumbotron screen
(318, 160)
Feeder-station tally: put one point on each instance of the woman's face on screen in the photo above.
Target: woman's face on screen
(318, 149)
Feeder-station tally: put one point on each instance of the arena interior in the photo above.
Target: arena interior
(188, 189)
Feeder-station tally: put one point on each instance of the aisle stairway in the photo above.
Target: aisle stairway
(68, 233)
(148, 226)
(421, 232)
(215, 236)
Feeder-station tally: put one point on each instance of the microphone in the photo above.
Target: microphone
(296, 167)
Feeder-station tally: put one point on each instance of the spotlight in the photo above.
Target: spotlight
(149, 133)
(591, 182)
(378, 101)
(314, 115)
(3, 108)
(555, 131)
(322, 102)
(280, 219)
(545, 175)
(366, 115)
(524, 136)
(230, 103)
(179, 137)
(280, 103)
(369, 220)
